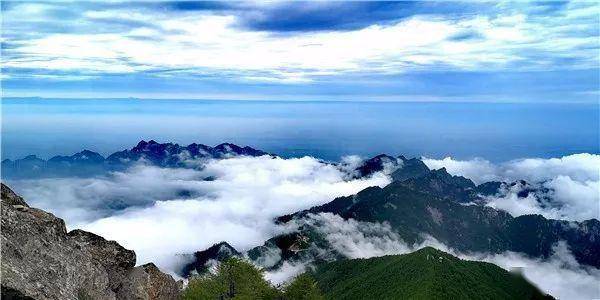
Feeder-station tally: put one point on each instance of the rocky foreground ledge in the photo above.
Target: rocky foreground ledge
(41, 260)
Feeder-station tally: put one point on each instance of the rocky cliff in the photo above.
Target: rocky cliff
(41, 260)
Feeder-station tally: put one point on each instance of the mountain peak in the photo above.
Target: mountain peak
(430, 252)
(411, 168)
(376, 164)
(142, 144)
(202, 259)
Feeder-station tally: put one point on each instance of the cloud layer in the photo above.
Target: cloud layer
(566, 187)
(165, 212)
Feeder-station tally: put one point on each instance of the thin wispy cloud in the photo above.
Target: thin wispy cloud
(205, 42)
(161, 212)
(251, 43)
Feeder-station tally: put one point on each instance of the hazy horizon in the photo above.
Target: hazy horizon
(327, 130)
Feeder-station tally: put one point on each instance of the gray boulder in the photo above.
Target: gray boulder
(41, 260)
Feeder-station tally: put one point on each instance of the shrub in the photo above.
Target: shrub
(234, 278)
(303, 287)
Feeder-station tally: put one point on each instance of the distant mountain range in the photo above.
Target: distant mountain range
(87, 162)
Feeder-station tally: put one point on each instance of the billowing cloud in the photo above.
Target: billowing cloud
(580, 167)
(351, 238)
(165, 212)
(355, 239)
(286, 272)
(566, 187)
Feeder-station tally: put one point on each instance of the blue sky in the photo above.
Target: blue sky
(373, 51)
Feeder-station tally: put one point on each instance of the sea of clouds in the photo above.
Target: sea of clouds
(164, 213)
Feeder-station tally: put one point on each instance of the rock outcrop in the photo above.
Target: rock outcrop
(203, 259)
(41, 260)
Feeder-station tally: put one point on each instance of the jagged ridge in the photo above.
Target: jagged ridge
(432, 203)
(88, 162)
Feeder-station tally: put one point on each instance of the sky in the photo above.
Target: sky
(368, 51)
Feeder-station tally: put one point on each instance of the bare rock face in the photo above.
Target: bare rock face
(148, 282)
(9, 197)
(40, 260)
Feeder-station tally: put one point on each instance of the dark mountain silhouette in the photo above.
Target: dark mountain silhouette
(201, 261)
(433, 204)
(87, 162)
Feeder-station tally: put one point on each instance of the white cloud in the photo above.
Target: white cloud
(238, 206)
(351, 238)
(205, 43)
(560, 275)
(580, 167)
(478, 170)
(355, 239)
(567, 199)
(573, 182)
(285, 273)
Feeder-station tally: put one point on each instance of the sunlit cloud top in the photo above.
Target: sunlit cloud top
(218, 48)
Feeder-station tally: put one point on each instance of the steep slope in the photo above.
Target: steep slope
(425, 274)
(432, 202)
(412, 213)
(41, 260)
(411, 168)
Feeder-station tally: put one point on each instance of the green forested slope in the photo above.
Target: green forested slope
(424, 274)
